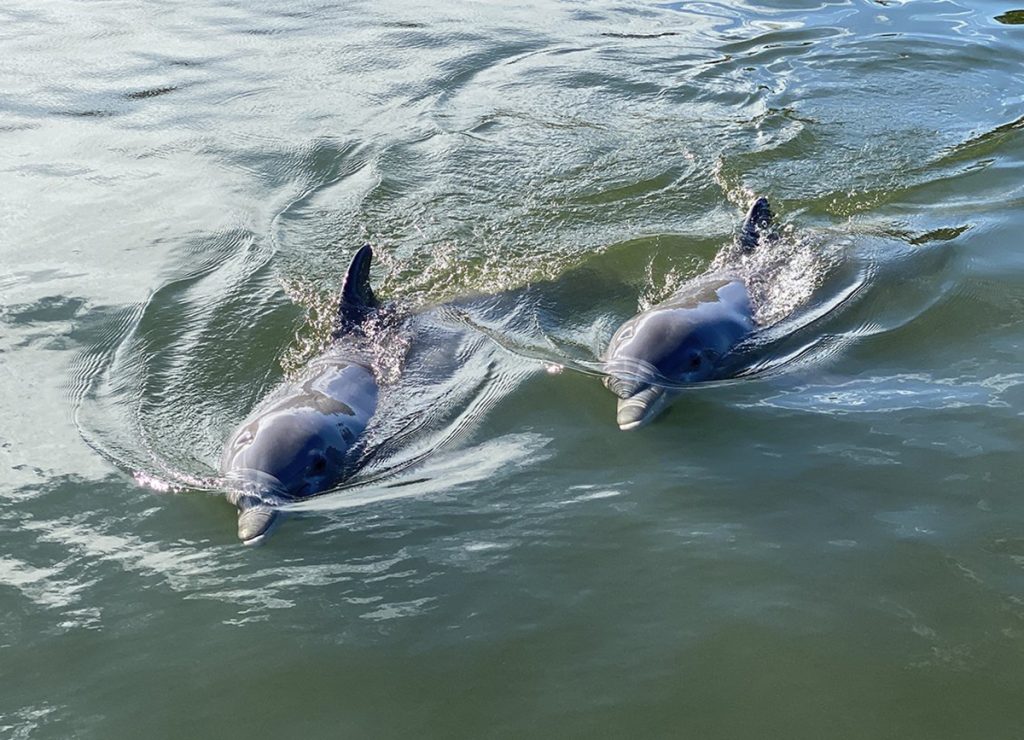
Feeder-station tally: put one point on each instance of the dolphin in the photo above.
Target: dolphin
(683, 339)
(304, 438)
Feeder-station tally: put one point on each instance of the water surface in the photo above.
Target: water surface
(832, 546)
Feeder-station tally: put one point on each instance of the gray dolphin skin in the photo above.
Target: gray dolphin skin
(303, 439)
(683, 339)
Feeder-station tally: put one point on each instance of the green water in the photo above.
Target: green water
(830, 547)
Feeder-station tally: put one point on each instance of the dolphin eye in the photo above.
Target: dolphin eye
(319, 464)
(695, 360)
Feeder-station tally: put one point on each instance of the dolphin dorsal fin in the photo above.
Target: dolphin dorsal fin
(756, 224)
(357, 297)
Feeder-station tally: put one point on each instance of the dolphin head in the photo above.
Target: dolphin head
(648, 357)
(296, 448)
(299, 449)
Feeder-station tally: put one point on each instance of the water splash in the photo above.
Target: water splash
(782, 274)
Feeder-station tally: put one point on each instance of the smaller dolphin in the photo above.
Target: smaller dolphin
(303, 439)
(683, 339)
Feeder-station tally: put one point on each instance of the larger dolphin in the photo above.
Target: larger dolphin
(304, 438)
(684, 339)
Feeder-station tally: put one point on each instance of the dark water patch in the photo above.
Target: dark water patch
(265, 31)
(151, 92)
(619, 35)
(50, 308)
(160, 59)
(404, 24)
(45, 324)
(983, 144)
(941, 235)
(94, 113)
(1011, 18)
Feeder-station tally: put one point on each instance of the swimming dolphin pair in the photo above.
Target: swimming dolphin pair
(305, 437)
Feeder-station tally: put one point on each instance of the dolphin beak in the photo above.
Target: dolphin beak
(640, 408)
(256, 520)
(257, 498)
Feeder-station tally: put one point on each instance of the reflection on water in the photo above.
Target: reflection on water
(833, 536)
